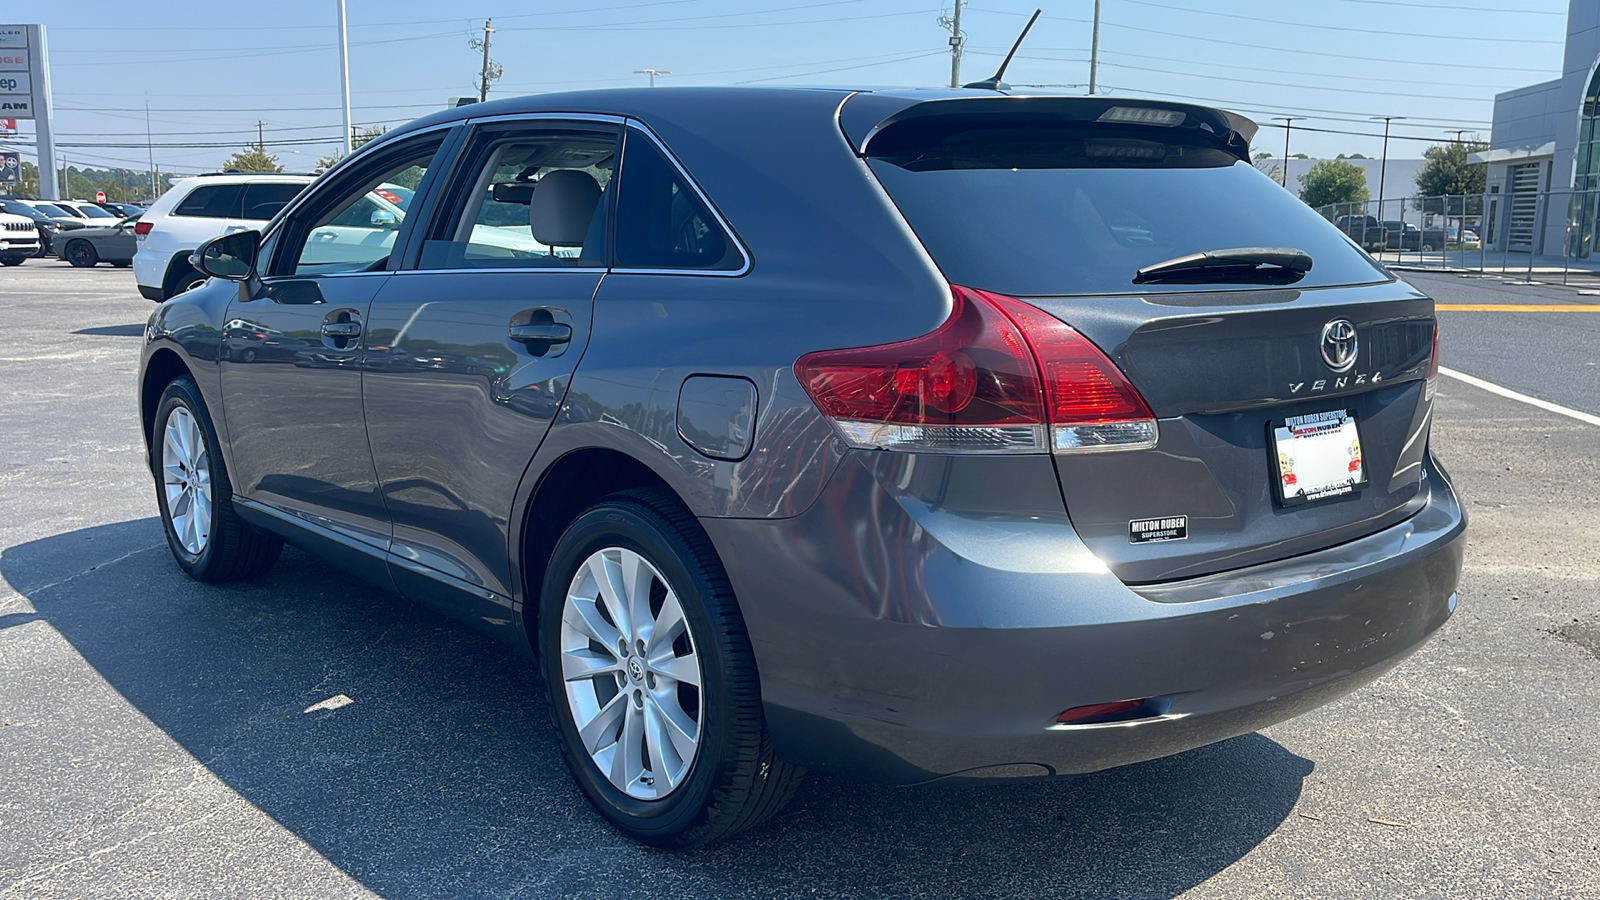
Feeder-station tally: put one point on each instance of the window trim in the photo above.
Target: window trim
(271, 229)
(722, 222)
(279, 228)
(462, 157)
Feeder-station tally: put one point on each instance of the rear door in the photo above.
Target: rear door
(1063, 213)
(472, 346)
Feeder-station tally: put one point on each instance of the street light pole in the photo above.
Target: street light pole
(652, 73)
(1094, 49)
(1288, 126)
(344, 80)
(1383, 165)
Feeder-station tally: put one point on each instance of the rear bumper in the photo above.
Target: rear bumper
(151, 293)
(946, 644)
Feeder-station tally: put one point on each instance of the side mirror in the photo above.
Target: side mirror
(382, 218)
(231, 256)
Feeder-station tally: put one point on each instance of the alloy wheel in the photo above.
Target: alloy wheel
(186, 479)
(631, 673)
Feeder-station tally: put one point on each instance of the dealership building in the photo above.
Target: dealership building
(1544, 152)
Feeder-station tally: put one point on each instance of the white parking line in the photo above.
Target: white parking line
(1524, 398)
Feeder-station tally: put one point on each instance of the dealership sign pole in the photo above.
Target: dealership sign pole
(25, 94)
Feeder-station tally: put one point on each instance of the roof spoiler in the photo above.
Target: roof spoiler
(1230, 131)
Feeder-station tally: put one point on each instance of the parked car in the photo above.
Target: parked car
(1465, 239)
(114, 244)
(767, 462)
(19, 239)
(63, 220)
(122, 210)
(198, 208)
(1400, 235)
(43, 224)
(90, 212)
(1366, 231)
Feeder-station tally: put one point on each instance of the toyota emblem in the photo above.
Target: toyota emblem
(1339, 345)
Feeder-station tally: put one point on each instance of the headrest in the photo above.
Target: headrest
(563, 204)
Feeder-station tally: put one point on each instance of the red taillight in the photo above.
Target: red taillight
(142, 227)
(1100, 712)
(997, 376)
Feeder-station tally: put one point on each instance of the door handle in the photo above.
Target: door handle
(555, 333)
(341, 329)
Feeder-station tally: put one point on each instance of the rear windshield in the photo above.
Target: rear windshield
(1035, 208)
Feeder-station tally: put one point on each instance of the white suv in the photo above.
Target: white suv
(198, 209)
(19, 239)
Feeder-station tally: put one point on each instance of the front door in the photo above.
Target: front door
(291, 354)
(471, 348)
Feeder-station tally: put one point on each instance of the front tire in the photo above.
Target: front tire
(82, 254)
(651, 681)
(11, 260)
(207, 538)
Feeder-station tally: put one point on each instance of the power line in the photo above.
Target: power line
(1457, 8)
(1413, 34)
(231, 29)
(1367, 58)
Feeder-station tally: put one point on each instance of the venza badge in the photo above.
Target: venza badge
(1339, 345)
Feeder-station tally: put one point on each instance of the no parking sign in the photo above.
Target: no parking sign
(10, 168)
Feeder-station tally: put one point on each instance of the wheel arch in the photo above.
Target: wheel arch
(176, 267)
(162, 368)
(568, 486)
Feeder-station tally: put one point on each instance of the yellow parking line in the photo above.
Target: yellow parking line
(1518, 307)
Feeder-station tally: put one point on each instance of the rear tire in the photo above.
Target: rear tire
(207, 538)
(82, 254)
(632, 700)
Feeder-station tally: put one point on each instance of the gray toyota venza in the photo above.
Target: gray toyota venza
(910, 435)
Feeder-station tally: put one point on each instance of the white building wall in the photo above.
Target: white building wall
(1399, 179)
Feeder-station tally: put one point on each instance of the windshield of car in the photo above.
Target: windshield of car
(1034, 207)
(54, 212)
(94, 212)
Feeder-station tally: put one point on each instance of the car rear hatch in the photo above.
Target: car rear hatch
(1254, 366)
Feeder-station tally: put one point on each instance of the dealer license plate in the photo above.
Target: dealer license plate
(1317, 457)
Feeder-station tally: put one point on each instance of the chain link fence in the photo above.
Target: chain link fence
(1535, 236)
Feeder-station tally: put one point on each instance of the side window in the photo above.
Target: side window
(661, 221)
(535, 200)
(263, 201)
(212, 201)
(353, 224)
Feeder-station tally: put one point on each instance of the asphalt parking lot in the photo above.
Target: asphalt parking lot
(158, 737)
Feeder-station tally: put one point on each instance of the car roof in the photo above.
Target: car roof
(875, 105)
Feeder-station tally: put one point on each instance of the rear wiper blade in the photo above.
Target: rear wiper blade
(1273, 265)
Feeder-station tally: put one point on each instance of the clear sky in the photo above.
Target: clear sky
(211, 70)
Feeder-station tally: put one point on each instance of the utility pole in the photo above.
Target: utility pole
(1288, 125)
(344, 79)
(1383, 166)
(261, 142)
(150, 147)
(957, 41)
(652, 73)
(491, 69)
(1094, 49)
(1458, 132)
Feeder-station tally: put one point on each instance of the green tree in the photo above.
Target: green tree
(1333, 181)
(252, 159)
(1446, 171)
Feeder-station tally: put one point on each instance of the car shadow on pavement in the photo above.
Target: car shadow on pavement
(135, 330)
(442, 777)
